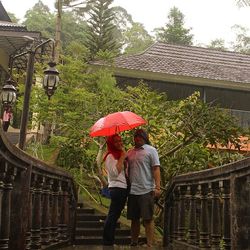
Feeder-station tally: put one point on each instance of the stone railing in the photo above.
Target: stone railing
(37, 201)
(209, 209)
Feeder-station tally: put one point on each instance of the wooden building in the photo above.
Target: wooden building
(222, 77)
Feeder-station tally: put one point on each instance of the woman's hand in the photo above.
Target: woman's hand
(123, 154)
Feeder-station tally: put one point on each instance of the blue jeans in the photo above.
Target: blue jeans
(118, 200)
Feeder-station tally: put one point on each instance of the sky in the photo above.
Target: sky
(209, 19)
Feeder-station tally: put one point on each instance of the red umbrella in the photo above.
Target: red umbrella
(115, 123)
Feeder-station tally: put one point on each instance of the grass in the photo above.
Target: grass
(43, 152)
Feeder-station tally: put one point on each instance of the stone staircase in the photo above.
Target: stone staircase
(89, 228)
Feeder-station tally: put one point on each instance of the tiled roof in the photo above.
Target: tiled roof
(189, 61)
(9, 26)
(244, 145)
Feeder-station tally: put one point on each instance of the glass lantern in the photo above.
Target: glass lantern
(51, 79)
(8, 95)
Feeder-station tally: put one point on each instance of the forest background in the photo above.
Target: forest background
(182, 131)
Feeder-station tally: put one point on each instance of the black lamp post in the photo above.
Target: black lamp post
(50, 83)
(8, 95)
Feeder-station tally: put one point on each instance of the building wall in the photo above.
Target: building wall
(226, 98)
(236, 101)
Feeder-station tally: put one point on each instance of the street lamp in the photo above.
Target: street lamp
(8, 95)
(51, 79)
(50, 86)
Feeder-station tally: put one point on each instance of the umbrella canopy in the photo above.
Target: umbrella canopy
(115, 123)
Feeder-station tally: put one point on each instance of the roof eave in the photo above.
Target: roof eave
(198, 81)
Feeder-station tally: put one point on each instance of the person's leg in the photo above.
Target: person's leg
(5, 126)
(116, 206)
(149, 229)
(147, 212)
(109, 228)
(135, 231)
(133, 214)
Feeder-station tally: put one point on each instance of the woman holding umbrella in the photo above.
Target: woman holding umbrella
(114, 164)
(110, 125)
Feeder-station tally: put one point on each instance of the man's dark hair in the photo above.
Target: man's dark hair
(143, 134)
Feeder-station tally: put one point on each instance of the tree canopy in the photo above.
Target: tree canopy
(183, 131)
(174, 31)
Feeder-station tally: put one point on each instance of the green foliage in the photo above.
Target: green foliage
(136, 39)
(100, 35)
(182, 130)
(242, 43)
(13, 18)
(69, 34)
(39, 18)
(43, 152)
(218, 44)
(174, 31)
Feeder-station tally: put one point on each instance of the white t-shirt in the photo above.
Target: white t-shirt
(114, 179)
(141, 162)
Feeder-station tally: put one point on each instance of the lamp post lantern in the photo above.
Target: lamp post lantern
(8, 95)
(51, 79)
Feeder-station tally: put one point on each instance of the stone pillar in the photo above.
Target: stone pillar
(7, 177)
(176, 212)
(54, 212)
(29, 219)
(192, 229)
(216, 217)
(226, 214)
(64, 215)
(181, 220)
(36, 214)
(204, 230)
(45, 223)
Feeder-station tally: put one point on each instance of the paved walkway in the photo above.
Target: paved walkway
(13, 135)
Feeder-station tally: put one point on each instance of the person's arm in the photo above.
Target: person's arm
(113, 166)
(157, 178)
(120, 162)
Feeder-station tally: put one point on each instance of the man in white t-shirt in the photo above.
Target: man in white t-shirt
(144, 175)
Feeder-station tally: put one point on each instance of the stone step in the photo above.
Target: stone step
(79, 205)
(90, 217)
(119, 240)
(86, 210)
(99, 231)
(93, 224)
(89, 228)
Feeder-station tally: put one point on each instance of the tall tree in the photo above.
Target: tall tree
(100, 34)
(136, 39)
(218, 44)
(58, 43)
(242, 43)
(40, 18)
(174, 31)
